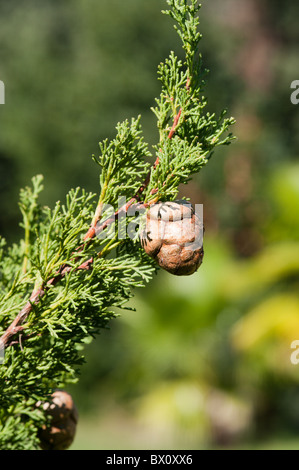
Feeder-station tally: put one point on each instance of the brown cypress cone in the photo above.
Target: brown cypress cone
(173, 237)
(60, 432)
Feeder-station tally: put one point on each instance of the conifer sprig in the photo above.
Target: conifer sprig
(61, 284)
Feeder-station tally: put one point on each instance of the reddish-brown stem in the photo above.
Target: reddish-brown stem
(175, 123)
(36, 296)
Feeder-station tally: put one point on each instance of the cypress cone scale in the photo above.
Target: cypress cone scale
(173, 237)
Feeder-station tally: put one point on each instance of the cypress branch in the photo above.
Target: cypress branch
(61, 284)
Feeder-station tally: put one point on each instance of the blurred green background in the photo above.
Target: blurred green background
(204, 361)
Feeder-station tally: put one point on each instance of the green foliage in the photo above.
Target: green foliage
(122, 162)
(185, 15)
(69, 314)
(63, 289)
(197, 132)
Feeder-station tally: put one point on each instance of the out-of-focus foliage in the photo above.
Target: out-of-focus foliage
(204, 360)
